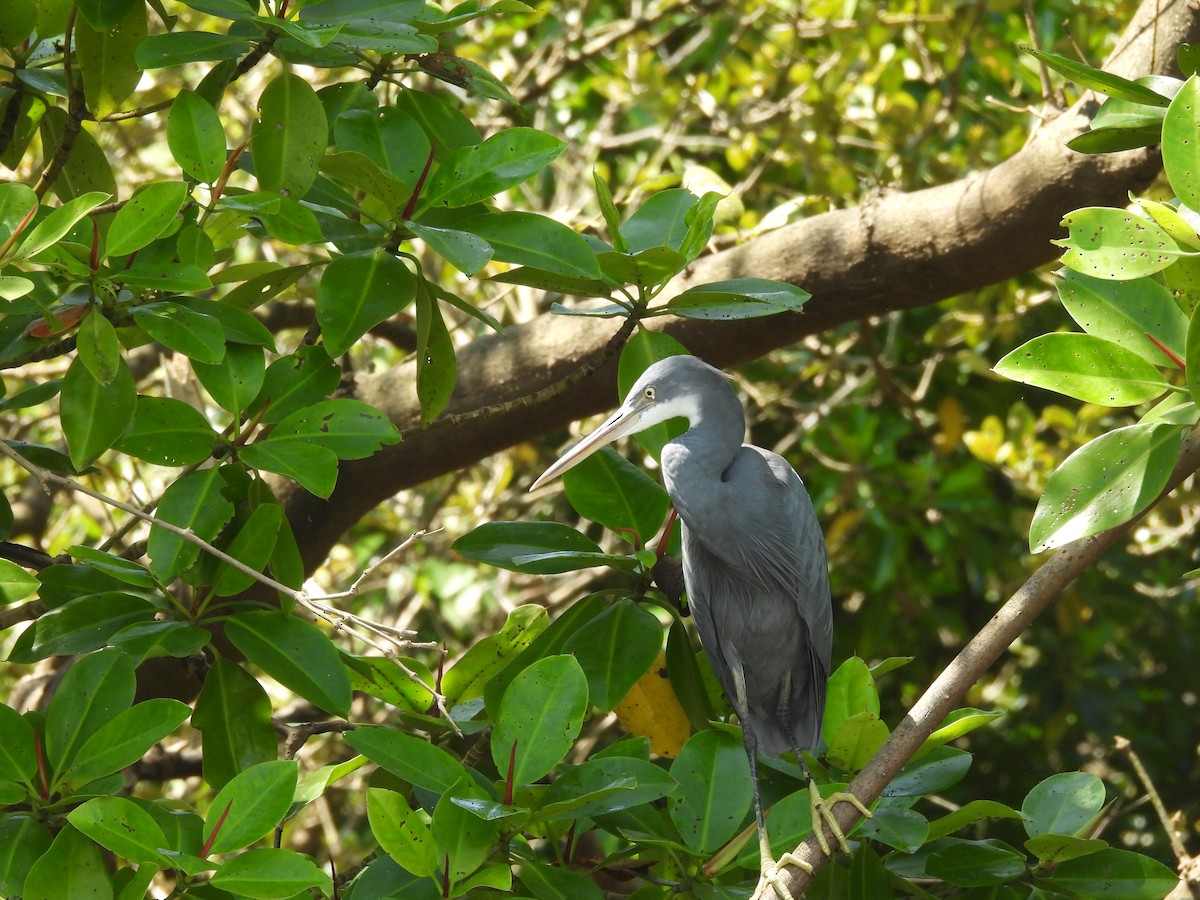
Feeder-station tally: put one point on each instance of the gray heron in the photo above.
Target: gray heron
(754, 569)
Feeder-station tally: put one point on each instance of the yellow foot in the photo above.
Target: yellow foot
(769, 876)
(822, 816)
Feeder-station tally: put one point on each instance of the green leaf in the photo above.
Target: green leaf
(288, 138)
(1097, 80)
(1056, 848)
(1181, 157)
(240, 327)
(608, 209)
(253, 545)
(195, 502)
(1127, 313)
(87, 169)
(196, 137)
(270, 872)
(904, 829)
(482, 171)
(23, 841)
(931, 773)
(293, 382)
(449, 130)
(615, 649)
(604, 785)
(295, 653)
(314, 468)
(418, 762)
(106, 59)
(168, 432)
(357, 292)
(547, 882)
(540, 716)
(969, 814)
(851, 690)
(233, 713)
(102, 14)
(389, 137)
(956, 724)
(350, 428)
(1114, 243)
(466, 252)
(256, 799)
(94, 415)
(402, 832)
(98, 346)
(1105, 483)
(93, 691)
(384, 679)
(118, 824)
(974, 863)
(176, 48)
(1174, 224)
(561, 284)
(856, 741)
(1064, 803)
(685, 676)
(466, 679)
(538, 241)
(463, 839)
(184, 330)
(145, 216)
(54, 227)
(72, 867)
(15, 583)
(125, 739)
(662, 221)
(714, 790)
(18, 761)
(609, 489)
(237, 379)
(17, 19)
(1191, 373)
(88, 622)
(739, 298)
(646, 268)
(535, 548)
(1087, 368)
(437, 368)
(361, 173)
(1115, 874)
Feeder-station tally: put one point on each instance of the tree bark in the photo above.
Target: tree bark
(896, 251)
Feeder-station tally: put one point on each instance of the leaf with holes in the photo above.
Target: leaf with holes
(1087, 368)
(1116, 243)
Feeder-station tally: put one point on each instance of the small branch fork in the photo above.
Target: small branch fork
(951, 686)
(381, 638)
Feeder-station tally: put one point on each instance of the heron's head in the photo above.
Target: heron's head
(670, 388)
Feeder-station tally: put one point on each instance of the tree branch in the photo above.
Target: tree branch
(896, 252)
(951, 686)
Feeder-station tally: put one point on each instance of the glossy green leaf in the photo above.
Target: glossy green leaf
(256, 799)
(547, 882)
(145, 216)
(560, 284)
(604, 785)
(288, 138)
(106, 59)
(184, 330)
(253, 545)
(1117, 137)
(933, 772)
(535, 548)
(418, 762)
(93, 691)
(1105, 483)
(856, 740)
(465, 251)
(240, 327)
(1087, 368)
(1192, 354)
(662, 221)
(714, 790)
(17, 20)
(1181, 156)
(17, 759)
(105, 13)
(1127, 313)
(608, 209)
(296, 381)
(540, 715)
(402, 832)
(118, 824)
(739, 298)
(15, 583)
(482, 171)
(609, 489)
(533, 240)
(1174, 224)
(686, 680)
(98, 346)
(1056, 848)
(126, 738)
(270, 872)
(196, 137)
(389, 137)
(350, 428)
(1098, 80)
(295, 653)
(956, 724)
(968, 814)
(194, 502)
(1115, 243)
(646, 268)
(233, 713)
(314, 468)
(640, 352)
(699, 220)
(904, 829)
(357, 292)
(384, 679)
(168, 432)
(87, 169)
(94, 415)
(466, 679)
(89, 622)
(23, 841)
(55, 226)
(851, 690)
(165, 277)
(179, 47)
(237, 379)
(615, 649)
(72, 867)
(975, 863)
(1115, 874)
(1063, 803)
(437, 368)
(462, 838)
(355, 170)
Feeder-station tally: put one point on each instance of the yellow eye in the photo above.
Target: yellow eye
(648, 393)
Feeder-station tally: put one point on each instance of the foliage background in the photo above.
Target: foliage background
(923, 466)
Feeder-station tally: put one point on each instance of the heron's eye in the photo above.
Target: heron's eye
(648, 393)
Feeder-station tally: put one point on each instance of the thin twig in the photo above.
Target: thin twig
(1124, 745)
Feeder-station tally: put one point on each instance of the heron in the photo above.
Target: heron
(754, 568)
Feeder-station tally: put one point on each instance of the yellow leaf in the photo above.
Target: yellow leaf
(652, 710)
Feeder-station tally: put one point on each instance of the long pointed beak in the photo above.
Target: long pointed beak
(625, 420)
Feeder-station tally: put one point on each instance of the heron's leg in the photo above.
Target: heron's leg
(768, 868)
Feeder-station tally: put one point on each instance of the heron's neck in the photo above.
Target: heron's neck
(714, 436)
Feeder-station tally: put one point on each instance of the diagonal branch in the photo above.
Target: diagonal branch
(950, 687)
